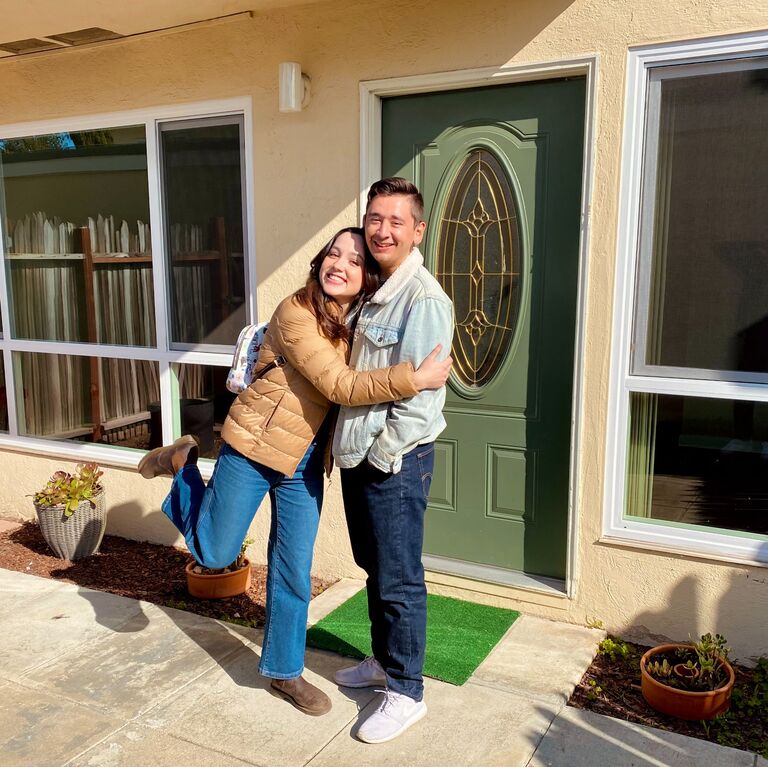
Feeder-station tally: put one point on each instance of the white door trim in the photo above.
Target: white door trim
(371, 94)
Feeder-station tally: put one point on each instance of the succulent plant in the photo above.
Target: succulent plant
(69, 490)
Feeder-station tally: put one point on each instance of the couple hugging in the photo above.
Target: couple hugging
(366, 332)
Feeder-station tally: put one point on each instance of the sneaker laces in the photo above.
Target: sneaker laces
(390, 699)
(370, 664)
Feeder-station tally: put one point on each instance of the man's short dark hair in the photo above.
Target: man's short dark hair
(387, 187)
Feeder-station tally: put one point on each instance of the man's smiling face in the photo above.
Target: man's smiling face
(391, 230)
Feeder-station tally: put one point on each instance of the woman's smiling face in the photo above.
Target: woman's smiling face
(341, 273)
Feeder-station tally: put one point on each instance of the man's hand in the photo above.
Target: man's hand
(433, 373)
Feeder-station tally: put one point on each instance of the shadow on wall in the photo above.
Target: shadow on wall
(742, 611)
(304, 210)
(739, 614)
(131, 520)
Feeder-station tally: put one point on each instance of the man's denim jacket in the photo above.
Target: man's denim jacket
(403, 321)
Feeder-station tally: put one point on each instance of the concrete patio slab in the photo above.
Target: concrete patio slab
(93, 680)
(580, 738)
(44, 730)
(20, 588)
(469, 725)
(136, 745)
(333, 597)
(250, 723)
(67, 619)
(149, 658)
(564, 650)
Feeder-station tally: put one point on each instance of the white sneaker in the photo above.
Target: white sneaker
(367, 673)
(393, 717)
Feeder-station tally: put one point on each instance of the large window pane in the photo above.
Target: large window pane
(705, 226)
(699, 461)
(77, 240)
(202, 172)
(202, 404)
(87, 399)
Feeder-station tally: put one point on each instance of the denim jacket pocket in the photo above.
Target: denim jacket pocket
(382, 335)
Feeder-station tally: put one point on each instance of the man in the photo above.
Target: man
(386, 455)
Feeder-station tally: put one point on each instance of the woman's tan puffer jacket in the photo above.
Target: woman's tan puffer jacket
(274, 420)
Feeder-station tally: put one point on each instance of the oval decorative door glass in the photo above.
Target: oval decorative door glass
(478, 265)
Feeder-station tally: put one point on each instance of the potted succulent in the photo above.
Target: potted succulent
(71, 511)
(690, 681)
(218, 584)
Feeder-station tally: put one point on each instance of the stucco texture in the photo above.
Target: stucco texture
(306, 182)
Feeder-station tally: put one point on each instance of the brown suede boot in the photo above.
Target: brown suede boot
(166, 461)
(305, 696)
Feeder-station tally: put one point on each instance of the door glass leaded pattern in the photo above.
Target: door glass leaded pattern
(478, 265)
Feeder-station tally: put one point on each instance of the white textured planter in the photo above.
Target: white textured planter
(78, 535)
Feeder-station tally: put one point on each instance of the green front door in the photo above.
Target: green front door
(500, 169)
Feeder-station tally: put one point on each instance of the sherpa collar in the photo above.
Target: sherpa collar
(397, 281)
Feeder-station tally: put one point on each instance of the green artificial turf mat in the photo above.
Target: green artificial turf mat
(459, 634)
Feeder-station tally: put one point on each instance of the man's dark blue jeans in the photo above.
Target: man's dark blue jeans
(385, 517)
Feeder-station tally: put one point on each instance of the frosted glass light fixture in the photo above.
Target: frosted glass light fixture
(294, 87)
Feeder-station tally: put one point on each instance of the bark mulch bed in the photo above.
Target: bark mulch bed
(611, 686)
(137, 570)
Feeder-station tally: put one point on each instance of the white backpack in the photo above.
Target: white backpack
(246, 356)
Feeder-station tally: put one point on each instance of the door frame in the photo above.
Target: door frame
(371, 94)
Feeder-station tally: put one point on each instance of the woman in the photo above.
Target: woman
(276, 442)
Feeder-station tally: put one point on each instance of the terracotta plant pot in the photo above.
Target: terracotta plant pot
(682, 703)
(218, 585)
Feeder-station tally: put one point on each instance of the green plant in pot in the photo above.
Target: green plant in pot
(72, 513)
(690, 681)
(230, 581)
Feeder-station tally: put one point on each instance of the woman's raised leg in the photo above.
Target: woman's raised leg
(214, 520)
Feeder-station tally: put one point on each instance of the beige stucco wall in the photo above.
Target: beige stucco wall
(306, 174)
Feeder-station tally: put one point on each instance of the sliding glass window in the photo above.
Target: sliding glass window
(703, 302)
(78, 246)
(698, 373)
(124, 251)
(202, 178)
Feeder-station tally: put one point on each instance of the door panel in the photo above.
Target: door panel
(500, 170)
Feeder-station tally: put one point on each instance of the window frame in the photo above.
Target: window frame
(646, 65)
(163, 352)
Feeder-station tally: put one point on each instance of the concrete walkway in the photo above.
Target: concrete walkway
(95, 680)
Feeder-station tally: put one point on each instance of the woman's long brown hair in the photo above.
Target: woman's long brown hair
(324, 307)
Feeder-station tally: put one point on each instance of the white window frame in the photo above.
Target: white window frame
(162, 353)
(654, 534)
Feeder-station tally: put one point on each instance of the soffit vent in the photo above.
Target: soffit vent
(56, 42)
(32, 45)
(83, 36)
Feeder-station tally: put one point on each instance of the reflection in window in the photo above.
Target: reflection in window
(202, 172)
(203, 404)
(699, 461)
(77, 240)
(87, 399)
(707, 225)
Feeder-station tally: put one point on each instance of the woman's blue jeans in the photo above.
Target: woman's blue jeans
(214, 521)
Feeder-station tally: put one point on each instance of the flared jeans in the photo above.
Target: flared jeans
(214, 521)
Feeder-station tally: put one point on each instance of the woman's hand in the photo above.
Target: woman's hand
(432, 373)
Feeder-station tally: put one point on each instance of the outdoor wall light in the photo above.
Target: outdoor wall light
(294, 87)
